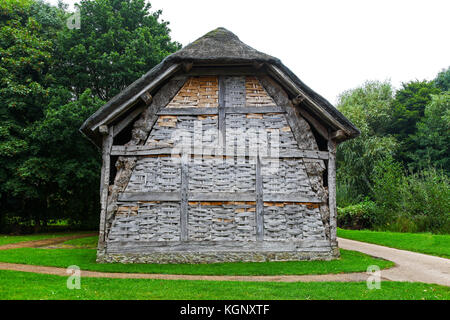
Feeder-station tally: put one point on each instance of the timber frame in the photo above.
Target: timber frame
(121, 129)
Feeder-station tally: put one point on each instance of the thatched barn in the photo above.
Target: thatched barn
(219, 153)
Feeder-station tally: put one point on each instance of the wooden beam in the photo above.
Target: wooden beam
(118, 128)
(313, 122)
(184, 202)
(187, 66)
(150, 196)
(259, 203)
(104, 183)
(287, 81)
(281, 197)
(332, 189)
(133, 100)
(133, 151)
(222, 114)
(257, 110)
(338, 135)
(297, 100)
(146, 97)
(188, 111)
(222, 196)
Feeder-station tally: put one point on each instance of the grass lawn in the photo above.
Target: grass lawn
(20, 285)
(88, 242)
(350, 261)
(7, 239)
(438, 245)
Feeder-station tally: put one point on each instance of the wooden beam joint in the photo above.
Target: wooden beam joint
(298, 99)
(147, 98)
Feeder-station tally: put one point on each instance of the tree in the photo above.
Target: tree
(51, 80)
(119, 40)
(25, 83)
(432, 140)
(442, 80)
(368, 107)
(408, 109)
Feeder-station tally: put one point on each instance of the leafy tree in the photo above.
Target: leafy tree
(368, 107)
(25, 82)
(119, 40)
(51, 80)
(408, 109)
(432, 140)
(442, 80)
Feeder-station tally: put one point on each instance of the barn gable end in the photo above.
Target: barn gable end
(220, 163)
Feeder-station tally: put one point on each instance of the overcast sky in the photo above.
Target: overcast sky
(332, 46)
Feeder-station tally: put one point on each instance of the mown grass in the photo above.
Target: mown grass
(19, 285)
(8, 239)
(350, 261)
(438, 245)
(88, 242)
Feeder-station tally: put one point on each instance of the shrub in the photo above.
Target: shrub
(359, 216)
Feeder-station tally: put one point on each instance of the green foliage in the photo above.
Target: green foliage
(418, 202)
(117, 43)
(51, 80)
(442, 80)
(408, 109)
(359, 216)
(432, 140)
(368, 107)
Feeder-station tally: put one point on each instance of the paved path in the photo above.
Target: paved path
(410, 266)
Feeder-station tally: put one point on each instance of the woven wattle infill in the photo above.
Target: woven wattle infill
(222, 221)
(198, 92)
(256, 95)
(146, 221)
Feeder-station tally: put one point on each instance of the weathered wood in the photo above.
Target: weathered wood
(149, 196)
(259, 203)
(332, 189)
(146, 97)
(188, 111)
(132, 101)
(280, 197)
(184, 202)
(313, 122)
(118, 128)
(222, 114)
(222, 196)
(187, 66)
(104, 182)
(137, 246)
(297, 100)
(257, 110)
(133, 151)
(338, 136)
(290, 85)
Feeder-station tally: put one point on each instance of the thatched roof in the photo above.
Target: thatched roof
(219, 46)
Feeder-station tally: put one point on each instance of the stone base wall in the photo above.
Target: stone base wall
(216, 257)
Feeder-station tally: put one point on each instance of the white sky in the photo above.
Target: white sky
(332, 46)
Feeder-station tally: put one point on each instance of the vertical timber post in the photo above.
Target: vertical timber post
(332, 190)
(184, 205)
(108, 134)
(259, 202)
(222, 115)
